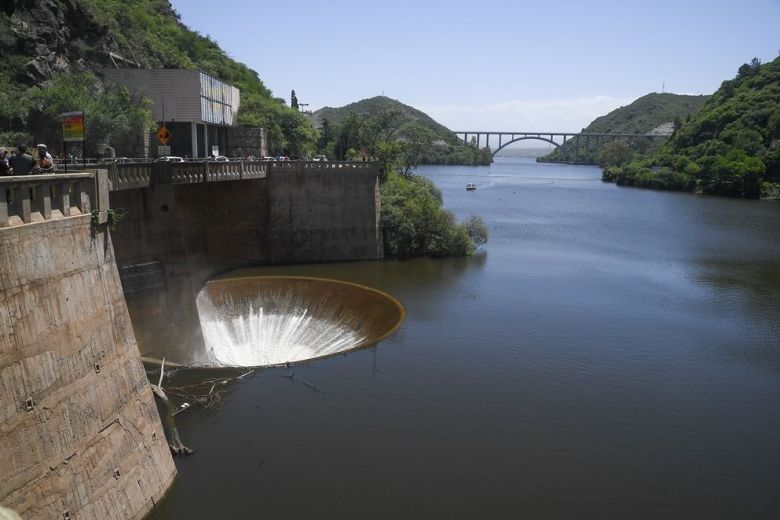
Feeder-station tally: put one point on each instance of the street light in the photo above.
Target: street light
(162, 97)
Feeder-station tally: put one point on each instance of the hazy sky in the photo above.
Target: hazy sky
(491, 64)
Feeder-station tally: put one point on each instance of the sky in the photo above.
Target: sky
(498, 65)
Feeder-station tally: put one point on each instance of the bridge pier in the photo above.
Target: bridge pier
(577, 149)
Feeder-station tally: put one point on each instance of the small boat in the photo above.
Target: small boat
(471, 186)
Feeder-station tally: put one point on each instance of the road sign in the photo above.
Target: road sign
(73, 126)
(163, 135)
(163, 150)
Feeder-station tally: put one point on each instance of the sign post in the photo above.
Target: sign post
(73, 129)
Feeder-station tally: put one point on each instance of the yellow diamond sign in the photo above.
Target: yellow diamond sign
(163, 135)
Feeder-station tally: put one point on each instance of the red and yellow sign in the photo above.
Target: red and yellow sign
(163, 135)
(73, 126)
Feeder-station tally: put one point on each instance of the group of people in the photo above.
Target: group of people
(22, 163)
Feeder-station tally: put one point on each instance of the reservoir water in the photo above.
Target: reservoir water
(610, 353)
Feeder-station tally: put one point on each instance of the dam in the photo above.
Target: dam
(80, 435)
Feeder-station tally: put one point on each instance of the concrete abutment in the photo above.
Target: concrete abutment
(79, 430)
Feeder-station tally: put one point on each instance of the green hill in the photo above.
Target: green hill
(54, 52)
(647, 113)
(642, 116)
(410, 118)
(730, 147)
(352, 127)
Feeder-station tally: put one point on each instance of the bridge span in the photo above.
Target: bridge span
(584, 140)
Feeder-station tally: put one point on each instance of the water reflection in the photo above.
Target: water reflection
(751, 287)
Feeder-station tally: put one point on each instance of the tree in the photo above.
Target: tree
(416, 144)
(415, 224)
(112, 115)
(749, 69)
(476, 229)
(677, 122)
(293, 101)
(615, 153)
(326, 137)
(348, 136)
(388, 155)
(379, 127)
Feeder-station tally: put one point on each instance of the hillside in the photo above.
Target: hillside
(647, 113)
(730, 147)
(641, 116)
(410, 117)
(345, 127)
(54, 52)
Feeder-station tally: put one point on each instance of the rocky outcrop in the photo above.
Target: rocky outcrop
(54, 36)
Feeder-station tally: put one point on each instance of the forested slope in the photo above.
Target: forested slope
(639, 117)
(730, 147)
(54, 52)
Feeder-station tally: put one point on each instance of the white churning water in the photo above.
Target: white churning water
(252, 331)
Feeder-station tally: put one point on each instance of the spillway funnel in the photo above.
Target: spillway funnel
(273, 320)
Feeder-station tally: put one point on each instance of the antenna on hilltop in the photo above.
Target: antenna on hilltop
(663, 87)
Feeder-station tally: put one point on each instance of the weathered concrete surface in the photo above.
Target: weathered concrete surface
(174, 238)
(79, 430)
(318, 213)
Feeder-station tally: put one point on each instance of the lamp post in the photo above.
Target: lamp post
(162, 98)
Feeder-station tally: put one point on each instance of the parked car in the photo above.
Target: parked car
(169, 158)
(221, 158)
(119, 160)
(320, 158)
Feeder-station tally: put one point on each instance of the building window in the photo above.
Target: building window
(216, 101)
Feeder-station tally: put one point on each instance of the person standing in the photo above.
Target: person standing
(22, 163)
(5, 169)
(45, 161)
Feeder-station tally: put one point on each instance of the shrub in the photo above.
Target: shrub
(415, 224)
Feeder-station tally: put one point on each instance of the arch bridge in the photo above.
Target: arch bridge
(581, 139)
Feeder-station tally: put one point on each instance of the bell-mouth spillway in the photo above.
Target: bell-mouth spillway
(274, 320)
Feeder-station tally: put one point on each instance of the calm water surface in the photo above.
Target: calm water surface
(611, 353)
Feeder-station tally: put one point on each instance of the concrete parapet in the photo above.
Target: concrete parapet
(25, 199)
(366, 167)
(129, 176)
(133, 176)
(80, 435)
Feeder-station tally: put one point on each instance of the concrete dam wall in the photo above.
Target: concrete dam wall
(174, 237)
(80, 435)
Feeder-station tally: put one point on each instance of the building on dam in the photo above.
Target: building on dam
(198, 110)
